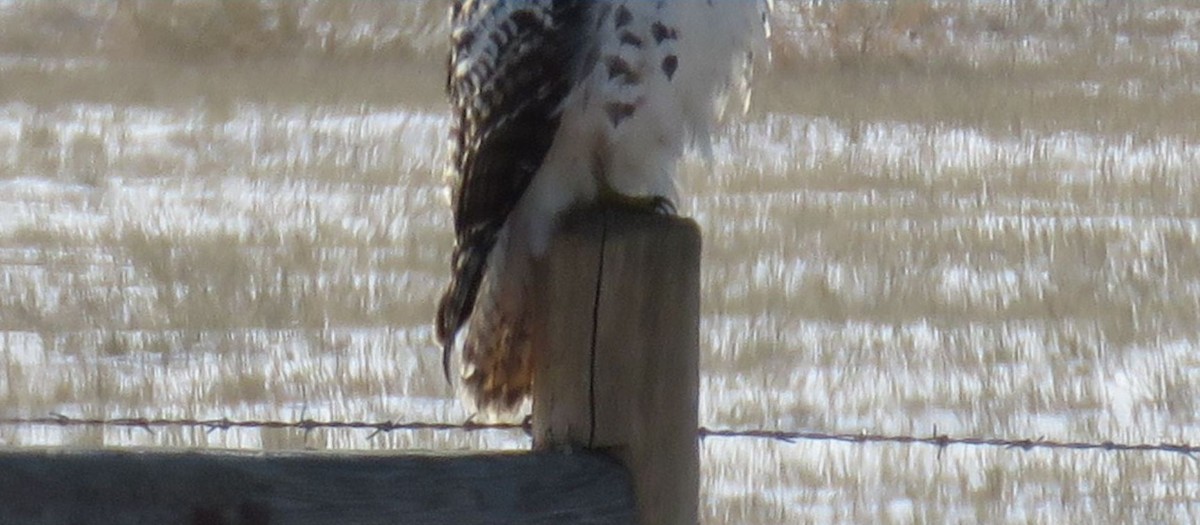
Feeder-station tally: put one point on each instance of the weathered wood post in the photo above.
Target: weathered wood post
(618, 361)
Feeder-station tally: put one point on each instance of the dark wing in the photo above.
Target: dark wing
(512, 63)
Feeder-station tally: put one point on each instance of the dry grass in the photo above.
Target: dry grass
(213, 30)
(998, 66)
(222, 51)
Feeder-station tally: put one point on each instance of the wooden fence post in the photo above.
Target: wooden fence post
(618, 352)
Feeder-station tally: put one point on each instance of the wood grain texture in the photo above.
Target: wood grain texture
(619, 352)
(212, 488)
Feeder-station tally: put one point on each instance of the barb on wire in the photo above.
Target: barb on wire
(936, 439)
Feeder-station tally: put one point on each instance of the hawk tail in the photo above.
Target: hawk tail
(469, 262)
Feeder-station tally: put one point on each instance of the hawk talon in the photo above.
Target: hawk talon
(664, 206)
(642, 203)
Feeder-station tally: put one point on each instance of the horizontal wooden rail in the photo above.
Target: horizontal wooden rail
(56, 487)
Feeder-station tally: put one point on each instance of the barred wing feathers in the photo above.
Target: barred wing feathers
(510, 70)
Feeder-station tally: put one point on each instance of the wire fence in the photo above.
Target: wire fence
(936, 439)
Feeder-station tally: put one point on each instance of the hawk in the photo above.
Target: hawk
(558, 103)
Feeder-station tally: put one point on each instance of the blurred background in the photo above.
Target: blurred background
(979, 216)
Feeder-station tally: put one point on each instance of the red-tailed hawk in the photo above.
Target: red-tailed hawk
(558, 103)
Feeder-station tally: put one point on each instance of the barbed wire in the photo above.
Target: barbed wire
(943, 440)
(306, 424)
(936, 439)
